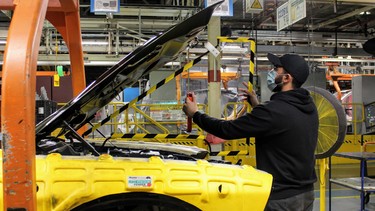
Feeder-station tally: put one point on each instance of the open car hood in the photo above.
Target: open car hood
(156, 52)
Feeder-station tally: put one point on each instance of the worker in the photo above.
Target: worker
(285, 131)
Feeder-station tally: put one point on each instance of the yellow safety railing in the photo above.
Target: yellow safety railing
(147, 118)
(354, 136)
(237, 108)
(356, 117)
(239, 149)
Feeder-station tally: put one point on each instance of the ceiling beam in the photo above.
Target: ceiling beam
(357, 1)
(342, 17)
(53, 5)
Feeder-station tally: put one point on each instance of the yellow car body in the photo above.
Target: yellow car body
(68, 182)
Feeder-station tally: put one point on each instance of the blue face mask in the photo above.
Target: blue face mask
(272, 85)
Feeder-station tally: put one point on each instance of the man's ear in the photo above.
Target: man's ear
(287, 76)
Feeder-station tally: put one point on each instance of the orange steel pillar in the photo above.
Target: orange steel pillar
(18, 89)
(18, 104)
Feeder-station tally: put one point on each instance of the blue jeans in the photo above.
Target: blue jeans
(300, 202)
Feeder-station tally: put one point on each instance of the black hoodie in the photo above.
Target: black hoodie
(286, 134)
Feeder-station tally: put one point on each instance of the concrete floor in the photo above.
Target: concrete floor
(344, 200)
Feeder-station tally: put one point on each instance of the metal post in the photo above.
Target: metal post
(214, 76)
(323, 169)
(18, 105)
(329, 184)
(117, 39)
(18, 90)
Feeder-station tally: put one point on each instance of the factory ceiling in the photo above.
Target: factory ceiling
(329, 25)
(355, 16)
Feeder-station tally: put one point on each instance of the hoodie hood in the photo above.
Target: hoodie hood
(299, 98)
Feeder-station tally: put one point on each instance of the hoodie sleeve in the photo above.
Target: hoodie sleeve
(259, 121)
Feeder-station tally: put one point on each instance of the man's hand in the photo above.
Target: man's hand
(250, 97)
(190, 107)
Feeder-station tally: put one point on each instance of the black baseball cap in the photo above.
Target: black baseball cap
(293, 64)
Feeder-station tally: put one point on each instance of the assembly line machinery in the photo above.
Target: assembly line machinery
(48, 170)
(73, 174)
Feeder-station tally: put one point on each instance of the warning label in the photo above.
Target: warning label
(256, 5)
(139, 182)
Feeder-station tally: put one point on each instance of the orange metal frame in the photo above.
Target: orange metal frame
(39, 73)
(341, 77)
(203, 75)
(18, 89)
(225, 76)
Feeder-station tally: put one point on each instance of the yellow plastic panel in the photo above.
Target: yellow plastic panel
(65, 182)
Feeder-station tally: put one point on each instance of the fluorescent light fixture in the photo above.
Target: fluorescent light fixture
(231, 47)
(173, 64)
(365, 13)
(3, 42)
(94, 43)
(100, 63)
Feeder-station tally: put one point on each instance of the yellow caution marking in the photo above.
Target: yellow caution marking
(256, 5)
(56, 80)
(229, 153)
(156, 136)
(188, 65)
